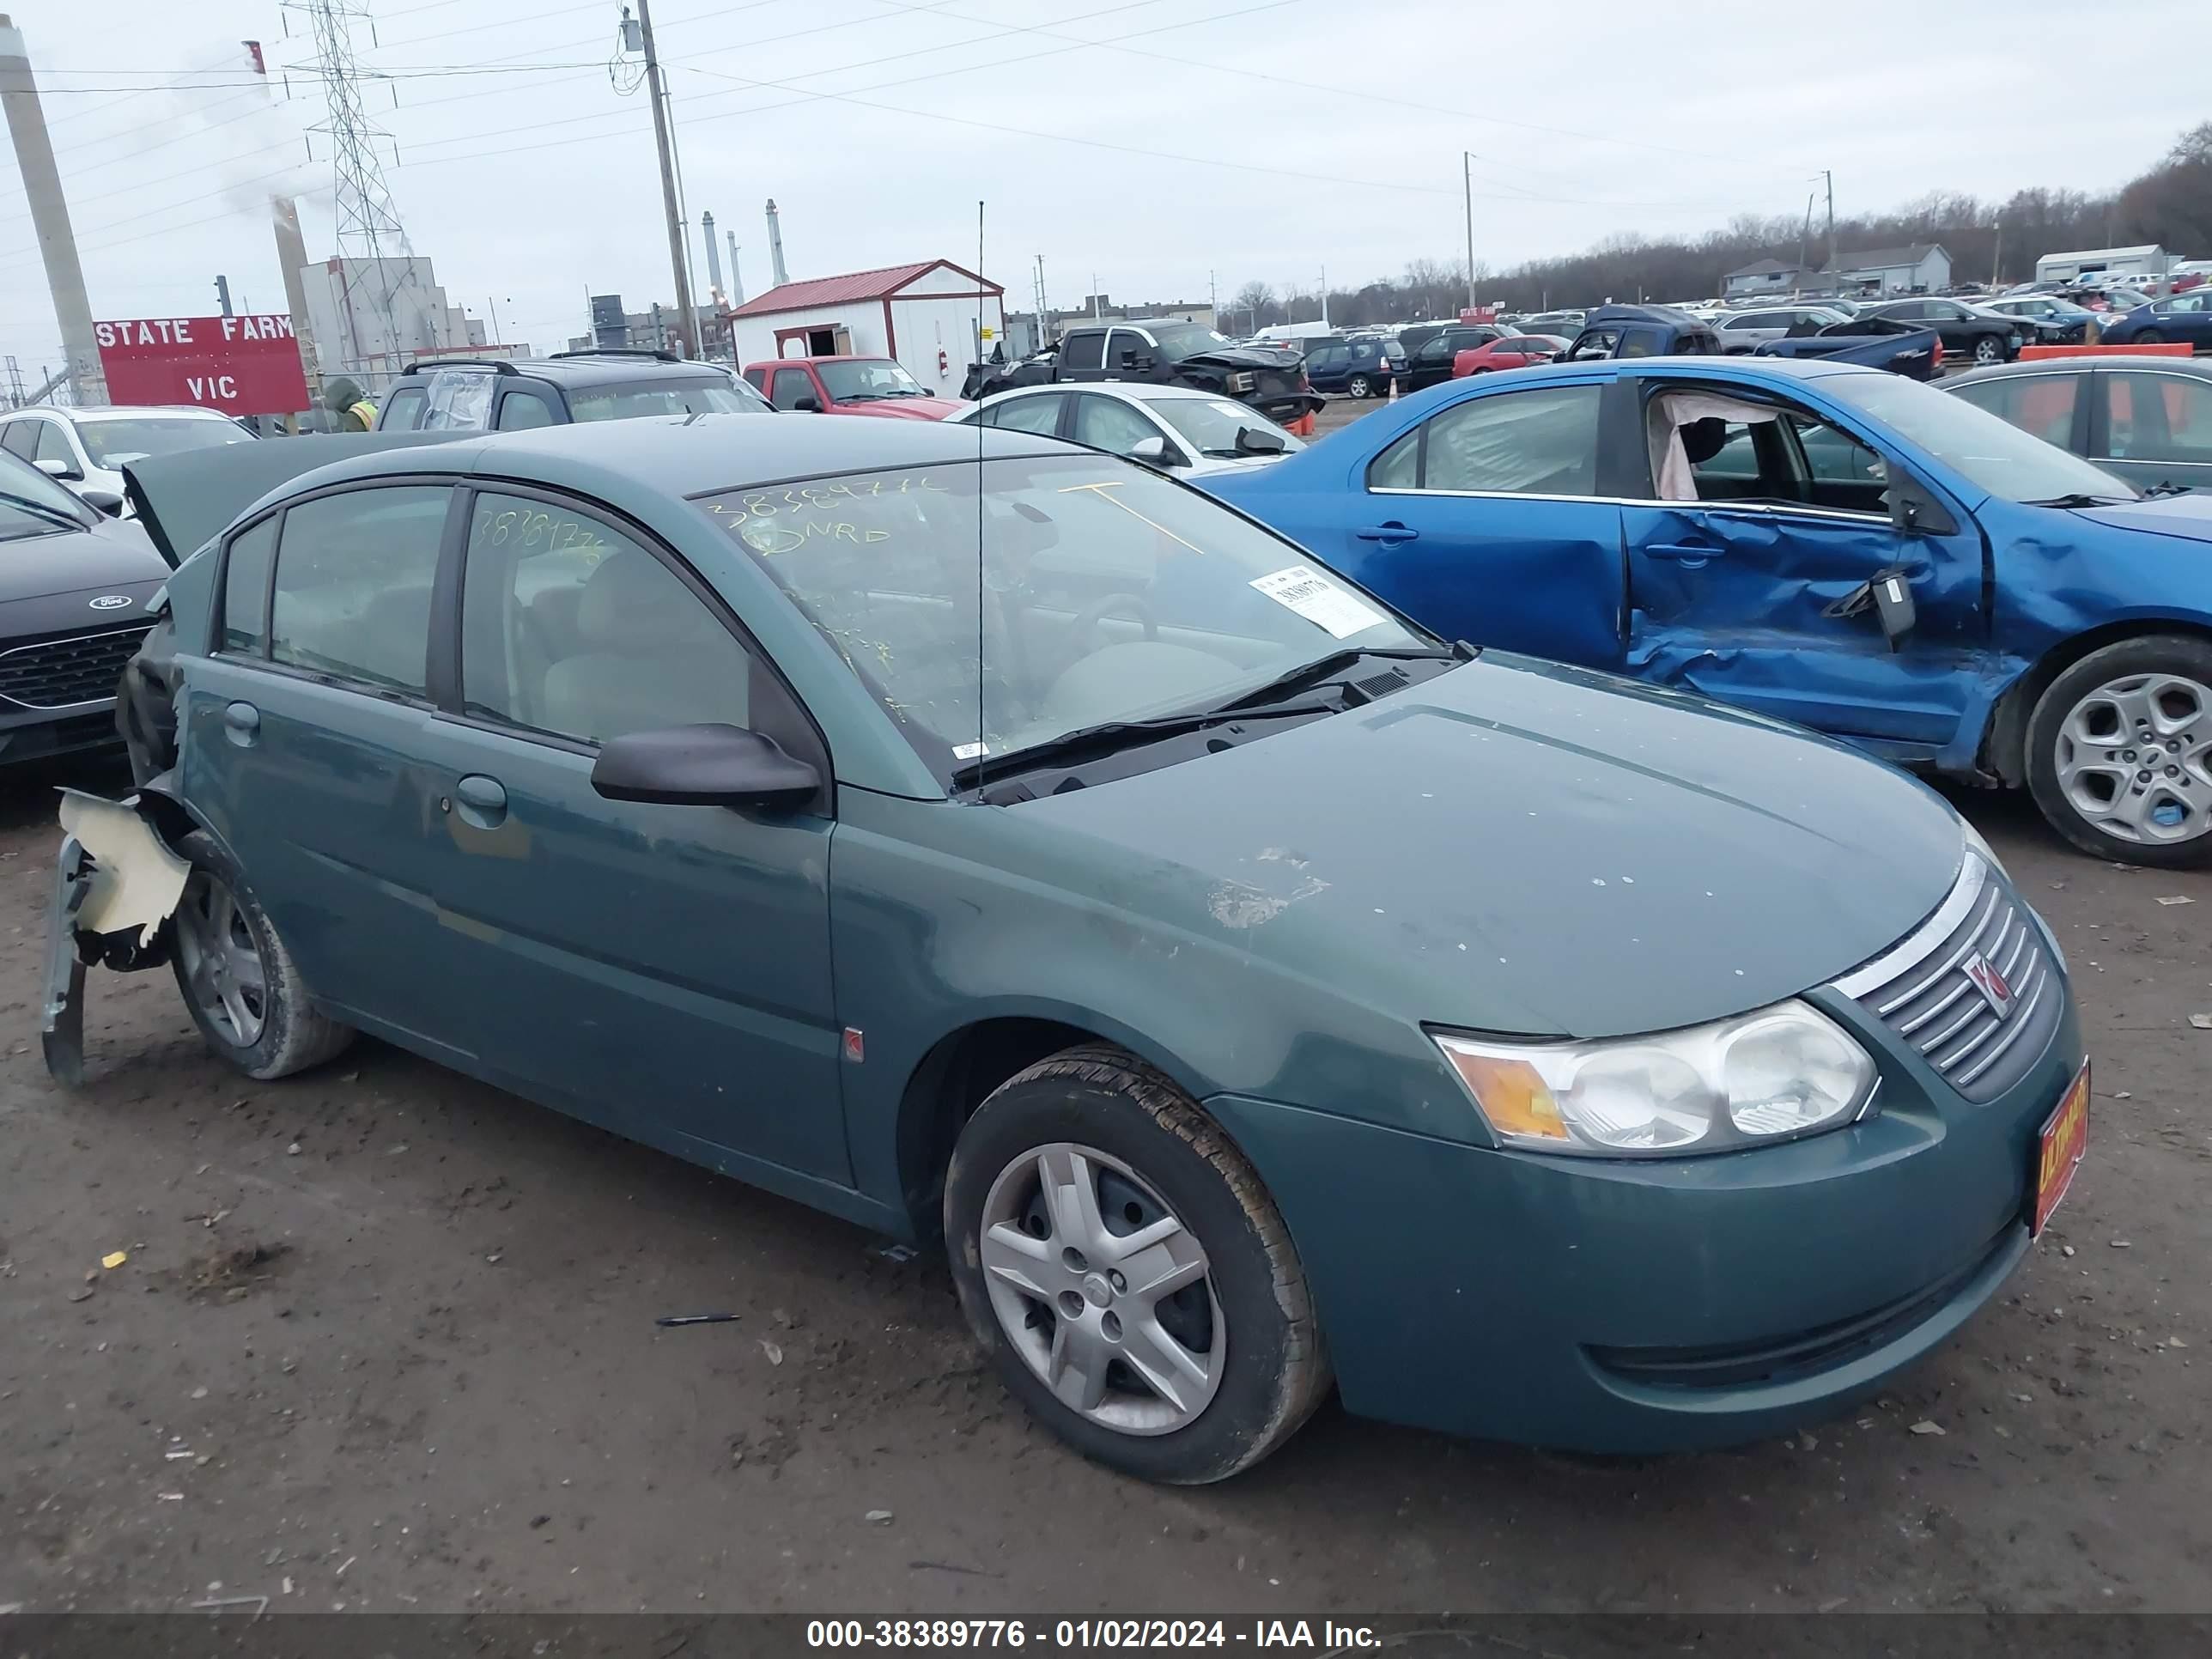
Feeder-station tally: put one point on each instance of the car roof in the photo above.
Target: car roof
(130, 412)
(2200, 367)
(589, 368)
(681, 455)
(1128, 392)
(1684, 367)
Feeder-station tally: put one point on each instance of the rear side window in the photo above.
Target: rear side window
(245, 589)
(402, 411)
(2041, 403)
(2158, 418)
(1083, 349)
(1536, 442)
(522, 409)
(354, 575)
(1398, 467)
(460, 400)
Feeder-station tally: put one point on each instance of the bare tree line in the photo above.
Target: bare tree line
(1989, 241)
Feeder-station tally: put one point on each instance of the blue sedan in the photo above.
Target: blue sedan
(1845, 549)
(2179, 317)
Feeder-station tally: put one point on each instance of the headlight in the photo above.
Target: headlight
(1976, 844)
(1780, 1073)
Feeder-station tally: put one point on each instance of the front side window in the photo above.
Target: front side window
(2041, 403)
(866, 381)
(1541, 442)
(657, 397)
(1102, 592)
(245, 588)
(54, 446)
(2158, 418)
(460, 401)
(403, 411)
(1109, 424)
(569, 627)
(1124, 347)
(791, 386)
(353, 578)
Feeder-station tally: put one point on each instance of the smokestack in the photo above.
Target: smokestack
(291, 252)
(736, 276)
(775, 246)
(42, 184)
(714, 254)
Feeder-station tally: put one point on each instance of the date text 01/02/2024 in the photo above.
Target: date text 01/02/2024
(1319, 1634)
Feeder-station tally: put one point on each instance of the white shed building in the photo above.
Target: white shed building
(925, 315)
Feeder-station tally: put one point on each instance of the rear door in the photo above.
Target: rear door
(1083, 354)
(662, 969)
(1730, 586)
(1485, 523)
(302, 742)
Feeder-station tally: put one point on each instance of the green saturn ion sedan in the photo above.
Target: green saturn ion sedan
(984, 838)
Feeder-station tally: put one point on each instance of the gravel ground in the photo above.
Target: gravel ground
(385, 1341)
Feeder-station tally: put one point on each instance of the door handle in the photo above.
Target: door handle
(1690, 554)
(483, 800)
(1393, 531)
(241, 723)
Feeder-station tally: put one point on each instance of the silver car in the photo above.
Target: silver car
(84, 449)
(1743, 330)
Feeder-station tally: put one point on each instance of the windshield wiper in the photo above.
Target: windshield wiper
(1090, 742)
(1336, 662)
(43, 509)
(2079, 499)
(2168, 488)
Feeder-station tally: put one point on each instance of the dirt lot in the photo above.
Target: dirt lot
(385, 1341)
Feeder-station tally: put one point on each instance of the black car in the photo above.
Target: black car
(1966, 331)
(479, 394)
(1163, 352)
(1431, 350)
(1363, 366)
(2147, 420)
(75, 590)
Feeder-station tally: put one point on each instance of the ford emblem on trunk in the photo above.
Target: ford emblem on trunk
(111, 602)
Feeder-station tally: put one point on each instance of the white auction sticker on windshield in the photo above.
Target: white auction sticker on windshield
(1319, 600)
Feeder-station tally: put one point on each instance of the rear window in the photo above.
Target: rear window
(623, 401)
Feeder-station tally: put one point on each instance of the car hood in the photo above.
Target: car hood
(906, 409)
(115, 557)
(2189, 516)
(1517, 846)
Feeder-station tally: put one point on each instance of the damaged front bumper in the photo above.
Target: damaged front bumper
(116, 885)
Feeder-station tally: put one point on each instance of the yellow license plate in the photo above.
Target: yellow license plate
(2059, 1148)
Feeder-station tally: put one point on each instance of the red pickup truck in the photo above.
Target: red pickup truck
(848, 386)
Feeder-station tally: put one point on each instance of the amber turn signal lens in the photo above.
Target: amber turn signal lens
(1515, 1100)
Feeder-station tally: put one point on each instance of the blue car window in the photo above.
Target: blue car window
(569, 626)
(1542, 442)
(245, 588)
(354, 572)
(1398, 467)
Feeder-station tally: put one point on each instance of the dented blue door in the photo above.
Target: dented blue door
(1731, 595)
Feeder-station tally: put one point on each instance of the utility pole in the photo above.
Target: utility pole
(1467, 186)
(497, 338)
(1324, 296)
(1830, 180)
(679, 263)
(1213, 297)
(222, 295)
(1997, 260)
(1804, 241)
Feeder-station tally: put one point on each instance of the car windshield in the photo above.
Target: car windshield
(657, 397)
(31, 504)
(850, 382)
(1993, 454)
(112, 440)
(1180, 340)
(1210, 425)
(1090, 590)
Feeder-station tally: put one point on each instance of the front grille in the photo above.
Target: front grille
(1923, 991)
(1801, 1353)
(66, 674)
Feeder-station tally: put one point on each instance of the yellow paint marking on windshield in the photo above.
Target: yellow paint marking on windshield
(1100, 489)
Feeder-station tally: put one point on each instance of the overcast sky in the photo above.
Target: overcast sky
(1152, 142)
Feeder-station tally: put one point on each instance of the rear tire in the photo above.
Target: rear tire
(1061, 1162)
(2119, 752)
(1358, 386)
(1988, 349)
(239, 983)
(2147, 336)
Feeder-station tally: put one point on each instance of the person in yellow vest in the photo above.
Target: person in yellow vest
(345, 399)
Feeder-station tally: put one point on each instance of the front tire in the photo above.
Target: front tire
(239, 982)
(1358, 386)
(1123, 1269)
(2119, 752)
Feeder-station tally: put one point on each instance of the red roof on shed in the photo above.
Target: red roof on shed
(844, 290)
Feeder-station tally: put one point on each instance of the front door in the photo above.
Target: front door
(1483, 524)
(664, 970)
(302, 742)
(1732, 584)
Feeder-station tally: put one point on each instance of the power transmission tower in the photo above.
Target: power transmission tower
(370, 237)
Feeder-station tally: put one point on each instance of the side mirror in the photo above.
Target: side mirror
(106, 500)
(1154, 452)
(1914, 512)
(703, 765)
(1251, 440)
(807, 406)
(1142, 362)
(60, 471)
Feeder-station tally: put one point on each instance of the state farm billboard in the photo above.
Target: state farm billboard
(240, 364)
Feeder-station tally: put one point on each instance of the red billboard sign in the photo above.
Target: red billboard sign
(240, 364)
